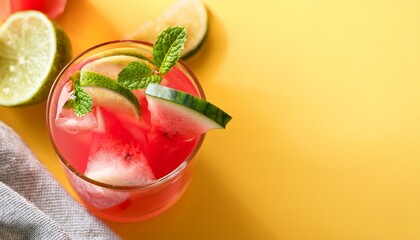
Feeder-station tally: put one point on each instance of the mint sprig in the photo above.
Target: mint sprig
(166, 52)
(80, 101)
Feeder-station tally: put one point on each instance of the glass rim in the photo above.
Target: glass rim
(156, 182)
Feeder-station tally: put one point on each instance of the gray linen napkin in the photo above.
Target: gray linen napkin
(33, 205)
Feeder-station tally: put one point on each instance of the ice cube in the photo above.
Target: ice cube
(97, 196)
(117, 163)
(113, 162)
(65, 95)
(65, 117)
(109, 167)
(69, 121)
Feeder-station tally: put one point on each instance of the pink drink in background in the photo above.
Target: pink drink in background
(52, 8)
(123, 168)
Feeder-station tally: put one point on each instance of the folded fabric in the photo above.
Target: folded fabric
(33, 205)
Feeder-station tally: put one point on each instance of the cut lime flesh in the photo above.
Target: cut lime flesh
(33, 50)
(127, 51)
(190, 14)
(182, 112)
(105, 92)
(111, 66)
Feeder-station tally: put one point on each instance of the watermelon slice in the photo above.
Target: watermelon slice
(180, 113)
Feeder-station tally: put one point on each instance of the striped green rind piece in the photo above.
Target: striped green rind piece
(187, 100)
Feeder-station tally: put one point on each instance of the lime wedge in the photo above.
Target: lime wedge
(190, 14)
(127, 51)
(111, 66)
(33, 50)
(181, 113)
(105, 92)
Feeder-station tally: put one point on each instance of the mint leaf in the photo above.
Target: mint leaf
(168, 47)
(83, 102)
(137, 75)
(80, 101)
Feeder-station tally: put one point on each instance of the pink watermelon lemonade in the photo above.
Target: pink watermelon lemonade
(121, 165)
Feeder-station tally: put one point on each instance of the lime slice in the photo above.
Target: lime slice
(111, 66)
(127, 51)
(33, 50)
(105, 92)
(190, 14)
(182, 113)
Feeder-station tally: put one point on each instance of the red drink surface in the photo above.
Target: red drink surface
(125, 137)
(164, 153)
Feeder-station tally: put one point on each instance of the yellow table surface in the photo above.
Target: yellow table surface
(324, 141)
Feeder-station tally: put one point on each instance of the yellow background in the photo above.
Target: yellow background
(324, 141)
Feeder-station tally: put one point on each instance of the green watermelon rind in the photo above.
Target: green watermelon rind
(182, 101)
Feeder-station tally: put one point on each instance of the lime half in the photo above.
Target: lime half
(33, 50)
(190, 14)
